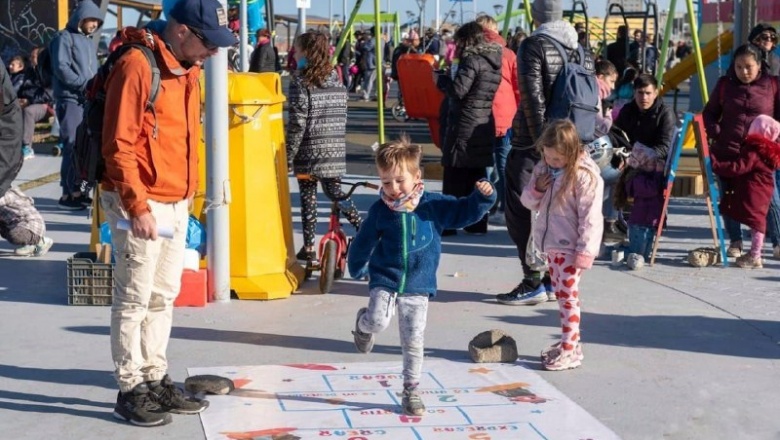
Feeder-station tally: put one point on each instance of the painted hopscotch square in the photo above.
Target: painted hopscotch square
(361, 401)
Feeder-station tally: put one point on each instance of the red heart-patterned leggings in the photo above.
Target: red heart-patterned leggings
(565, 281)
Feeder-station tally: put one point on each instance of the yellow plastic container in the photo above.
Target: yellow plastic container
(262, 260)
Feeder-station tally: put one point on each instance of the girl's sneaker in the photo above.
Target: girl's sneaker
(412, 402)
(734, 250)
(557, 346)
(556, 359)
(747, 261)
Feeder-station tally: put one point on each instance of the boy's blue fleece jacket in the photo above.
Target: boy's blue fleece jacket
(402, 249)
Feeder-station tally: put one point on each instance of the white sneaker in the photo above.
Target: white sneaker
(498, 218)
(35, 250)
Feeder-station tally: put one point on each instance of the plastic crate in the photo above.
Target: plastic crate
(89, 283)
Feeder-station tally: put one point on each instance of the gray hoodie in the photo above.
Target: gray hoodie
(74, 55)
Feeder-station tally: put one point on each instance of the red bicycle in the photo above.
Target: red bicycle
(332, 251)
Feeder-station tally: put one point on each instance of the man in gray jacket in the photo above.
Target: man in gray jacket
(74, 62)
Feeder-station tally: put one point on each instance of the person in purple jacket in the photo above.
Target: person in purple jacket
(744, 92)
(642, 180)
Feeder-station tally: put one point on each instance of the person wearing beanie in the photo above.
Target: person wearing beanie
(764, 36)
(538, 65)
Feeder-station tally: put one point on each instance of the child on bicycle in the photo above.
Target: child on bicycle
(566, 190)
(316, 150)
(410, 220)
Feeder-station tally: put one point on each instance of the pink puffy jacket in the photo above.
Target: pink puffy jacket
(573, 224)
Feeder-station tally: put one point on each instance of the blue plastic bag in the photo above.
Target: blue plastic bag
(105, 233)
(196, 236)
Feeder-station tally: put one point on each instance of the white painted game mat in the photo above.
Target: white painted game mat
(359, 401)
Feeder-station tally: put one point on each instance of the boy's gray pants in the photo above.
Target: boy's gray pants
(412, 316)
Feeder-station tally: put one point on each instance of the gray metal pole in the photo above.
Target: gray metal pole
(330, 17)
(301, 21)
(438, 15)
(243, 35)
(218, 174)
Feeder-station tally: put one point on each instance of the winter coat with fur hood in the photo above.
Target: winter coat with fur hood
(538, 65)
(748, 181)
(468, 141)
(571, 223)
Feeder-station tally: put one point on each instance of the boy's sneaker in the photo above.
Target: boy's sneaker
(747, 261)
(364, 342)
(27, 152)
(172, 399)
(35, 250)
(524, 295)
(138, 408)
(412, 403)
(776, 251)
(557, 359)
(69, 203)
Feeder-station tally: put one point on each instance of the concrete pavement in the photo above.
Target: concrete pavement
(670, 351)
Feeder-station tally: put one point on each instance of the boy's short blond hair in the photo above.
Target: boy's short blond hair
(487, 22)
(400, 153)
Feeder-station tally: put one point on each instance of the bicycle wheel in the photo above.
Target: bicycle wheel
(328, 266)
(399, 112)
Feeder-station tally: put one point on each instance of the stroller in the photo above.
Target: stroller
(612, 149)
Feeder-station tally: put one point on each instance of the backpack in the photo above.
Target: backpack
(575, 95)
(88, 148)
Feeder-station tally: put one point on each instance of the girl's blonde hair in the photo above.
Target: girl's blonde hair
(561, 136)
(400, 153)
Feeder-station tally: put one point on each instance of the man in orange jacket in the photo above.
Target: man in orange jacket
(151, 175)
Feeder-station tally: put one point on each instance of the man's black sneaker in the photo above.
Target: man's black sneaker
(69, 203)
(84, 199)
(172, 399)
(137, 407)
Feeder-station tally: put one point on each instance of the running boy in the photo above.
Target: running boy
(408, 219)
(566, 190)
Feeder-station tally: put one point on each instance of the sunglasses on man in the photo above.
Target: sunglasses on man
(208, 45)
(767, 37)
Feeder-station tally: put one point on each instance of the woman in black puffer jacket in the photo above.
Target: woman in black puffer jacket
(468, 142)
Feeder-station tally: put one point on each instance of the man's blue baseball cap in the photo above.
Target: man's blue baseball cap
(208, 17)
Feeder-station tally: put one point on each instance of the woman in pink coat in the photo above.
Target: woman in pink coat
(567, 191)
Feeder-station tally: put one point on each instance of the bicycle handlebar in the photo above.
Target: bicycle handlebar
(354, 185)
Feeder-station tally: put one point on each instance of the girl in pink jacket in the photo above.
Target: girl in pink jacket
(567, 191)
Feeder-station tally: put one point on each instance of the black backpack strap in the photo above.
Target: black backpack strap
(155, 84)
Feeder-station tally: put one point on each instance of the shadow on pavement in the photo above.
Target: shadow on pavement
(697, 334)
(67, 376)
(39, 277)
(274, 340)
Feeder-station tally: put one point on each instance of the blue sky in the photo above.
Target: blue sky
(320, 7)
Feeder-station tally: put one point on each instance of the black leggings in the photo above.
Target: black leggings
(332, 189)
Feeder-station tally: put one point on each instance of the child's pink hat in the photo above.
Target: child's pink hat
(765, 126)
